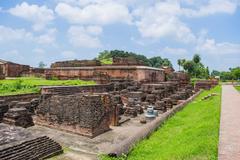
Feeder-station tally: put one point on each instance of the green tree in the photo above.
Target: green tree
(167, 62)
(215, 73)
(41, 64)
(181, 62)
(196, 58)
(189, 67)
(156, 61)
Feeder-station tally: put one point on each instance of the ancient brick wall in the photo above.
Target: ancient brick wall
(76, 63)
(127, 61)
(2, 76)
(37, 72)
(205, 84)
(68, 90)
(87, 115)
(20, 97)
(15, 70)
(137, 73)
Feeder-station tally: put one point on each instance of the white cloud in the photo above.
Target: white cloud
(10, 34)
(48, 38)
(21, 35)
(213, 7)
(39, 15)
(94, 13)
(68, 54)
(161, 21)
(210, 46)
(80, 36)
(175, 51)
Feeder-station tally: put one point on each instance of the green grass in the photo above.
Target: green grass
(237, 87)
(106, 61)
(191, 134)
(32, 85)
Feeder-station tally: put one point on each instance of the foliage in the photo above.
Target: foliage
(192, 133)
(194, 67)
(42, 65)
(32, 85)
(106, 58)
(196, 58)
(232, 74)
(238, 88)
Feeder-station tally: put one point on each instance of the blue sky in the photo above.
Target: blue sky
(51, 30)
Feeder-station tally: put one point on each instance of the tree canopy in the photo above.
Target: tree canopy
(106, 56)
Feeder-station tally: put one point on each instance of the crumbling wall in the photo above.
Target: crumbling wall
(68, 90)
(20, 97)
(87, 115)
(127, 61)
(205, 84)
(15, 70)
(76, 63)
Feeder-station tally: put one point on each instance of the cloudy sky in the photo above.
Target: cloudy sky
(49, 30)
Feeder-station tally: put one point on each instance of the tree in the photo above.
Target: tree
(181, 62)
(156, 61)
(215, 73)
(196, 58)
(41, 64)
(167, 62)
(189, 67)
(207, 73)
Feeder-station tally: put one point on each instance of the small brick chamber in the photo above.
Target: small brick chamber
(84, 114)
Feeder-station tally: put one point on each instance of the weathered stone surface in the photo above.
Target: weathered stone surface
(3, 109)
(87, 115)
(205, 84)
(160, 105)
(18, 144)
(18, 117)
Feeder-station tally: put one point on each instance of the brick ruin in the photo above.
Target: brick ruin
(2, 76)
(10, 69)
(205, 84)
(122, 92)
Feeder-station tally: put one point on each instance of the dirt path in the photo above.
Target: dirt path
(229, 140)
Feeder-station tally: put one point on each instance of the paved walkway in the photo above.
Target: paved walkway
(229, 141)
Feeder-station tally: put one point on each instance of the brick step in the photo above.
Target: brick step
(23, 145)
(32, 149)
(41, 146)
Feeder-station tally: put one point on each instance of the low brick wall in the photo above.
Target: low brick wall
(68, 90)
(20, 97)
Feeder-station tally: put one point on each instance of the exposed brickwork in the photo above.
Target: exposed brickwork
(108, 73)
(205, 84)
(87, 115)
(129, 61)
(76, 63)
(20, 97)
(18, 144)
(14, 70)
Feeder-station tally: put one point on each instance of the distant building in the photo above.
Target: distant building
(10, 69)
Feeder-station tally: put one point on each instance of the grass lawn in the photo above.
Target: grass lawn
(237, 87)
(191, 134)
(32, 85)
